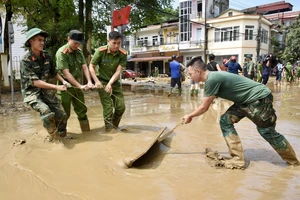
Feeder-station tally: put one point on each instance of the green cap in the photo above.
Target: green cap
(33, 32)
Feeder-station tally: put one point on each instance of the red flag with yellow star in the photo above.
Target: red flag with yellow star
(121, 17)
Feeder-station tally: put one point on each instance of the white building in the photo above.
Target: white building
(17, 50)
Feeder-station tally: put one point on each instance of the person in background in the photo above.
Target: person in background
(297, 72)
(38, 82)
(71, 64)
(250, 68)
(194, 90)
(111, 59)
(251, 99)
(259, 70)
(176, 70)
(233, 66)
(212, 65)
(289, 72)
(267, 63)
(279, 68)
(223, 68)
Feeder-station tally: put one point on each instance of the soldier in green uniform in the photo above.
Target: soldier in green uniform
(259, 71)
(111, 59)
(38, 80)
(250, 68)
(251, 99)
(70, 63)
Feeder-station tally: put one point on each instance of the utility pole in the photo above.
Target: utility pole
(112, 7)
(10, 42)
(205, 31)
(258, 37)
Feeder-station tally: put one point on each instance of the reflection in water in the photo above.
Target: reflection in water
(90, 165)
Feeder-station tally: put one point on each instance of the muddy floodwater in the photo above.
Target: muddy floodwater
(90, 166)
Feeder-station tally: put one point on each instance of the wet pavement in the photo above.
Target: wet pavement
(90, 166)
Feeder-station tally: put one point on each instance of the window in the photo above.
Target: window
(142, 41)
(227, 34)
(217, 35)
(187, 59)
(175, 38)
(249, 32)
(264, 36)
(154, 40)
(185, 10)
(199, 33)
(236, 33)
(230, 14)
(161, 39)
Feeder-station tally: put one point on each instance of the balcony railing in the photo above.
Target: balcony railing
(191, 44)
(196, 16)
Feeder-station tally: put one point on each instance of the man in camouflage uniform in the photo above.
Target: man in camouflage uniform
(251, 99)
(38, 77)
(111, 59)
(71, 63)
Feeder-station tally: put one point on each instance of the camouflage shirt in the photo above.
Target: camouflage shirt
(34, 68)
(66, 58)
(108, 62)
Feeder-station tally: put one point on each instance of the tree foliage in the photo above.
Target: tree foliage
(58, 17)
(292, 50)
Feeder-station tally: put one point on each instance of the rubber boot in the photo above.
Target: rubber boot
(179, 92)
(288, 155)
(116, 121)
(236, 151)
(84, 125)
(50, 125)
(192, 92)
(196, 92)
(170, 92)
(108, 123)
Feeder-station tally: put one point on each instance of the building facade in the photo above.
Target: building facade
(192, 17)
(152, 46)
(235, 33)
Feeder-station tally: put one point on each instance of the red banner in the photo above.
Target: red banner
(121, 17)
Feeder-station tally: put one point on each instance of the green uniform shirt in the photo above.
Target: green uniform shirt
(259, 68)
(250, 67)
(108, 62)
(289, 66)
(34, 68)
(298, 72)
(66, 58)
(235, 88)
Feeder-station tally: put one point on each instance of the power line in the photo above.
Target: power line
(239, 3)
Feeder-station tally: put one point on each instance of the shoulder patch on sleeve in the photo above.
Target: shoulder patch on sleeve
(104, 48)
(123, 51)
(66, 50)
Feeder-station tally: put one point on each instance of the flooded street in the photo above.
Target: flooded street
(90, 166)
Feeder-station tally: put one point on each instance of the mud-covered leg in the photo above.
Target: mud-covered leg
(47, 117)
(262, 113)
(280, 144)
(232, 139)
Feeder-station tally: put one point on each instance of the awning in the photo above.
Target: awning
(149, 59)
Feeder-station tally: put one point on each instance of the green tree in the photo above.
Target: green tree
(292, 49)
(58, 17)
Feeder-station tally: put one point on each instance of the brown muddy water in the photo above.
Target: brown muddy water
(90, 166)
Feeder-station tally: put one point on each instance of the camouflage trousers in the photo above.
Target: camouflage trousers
(52, 115)
(113, 106)
(68, 98)
(261, 113)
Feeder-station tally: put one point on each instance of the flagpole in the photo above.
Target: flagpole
(112, 7)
